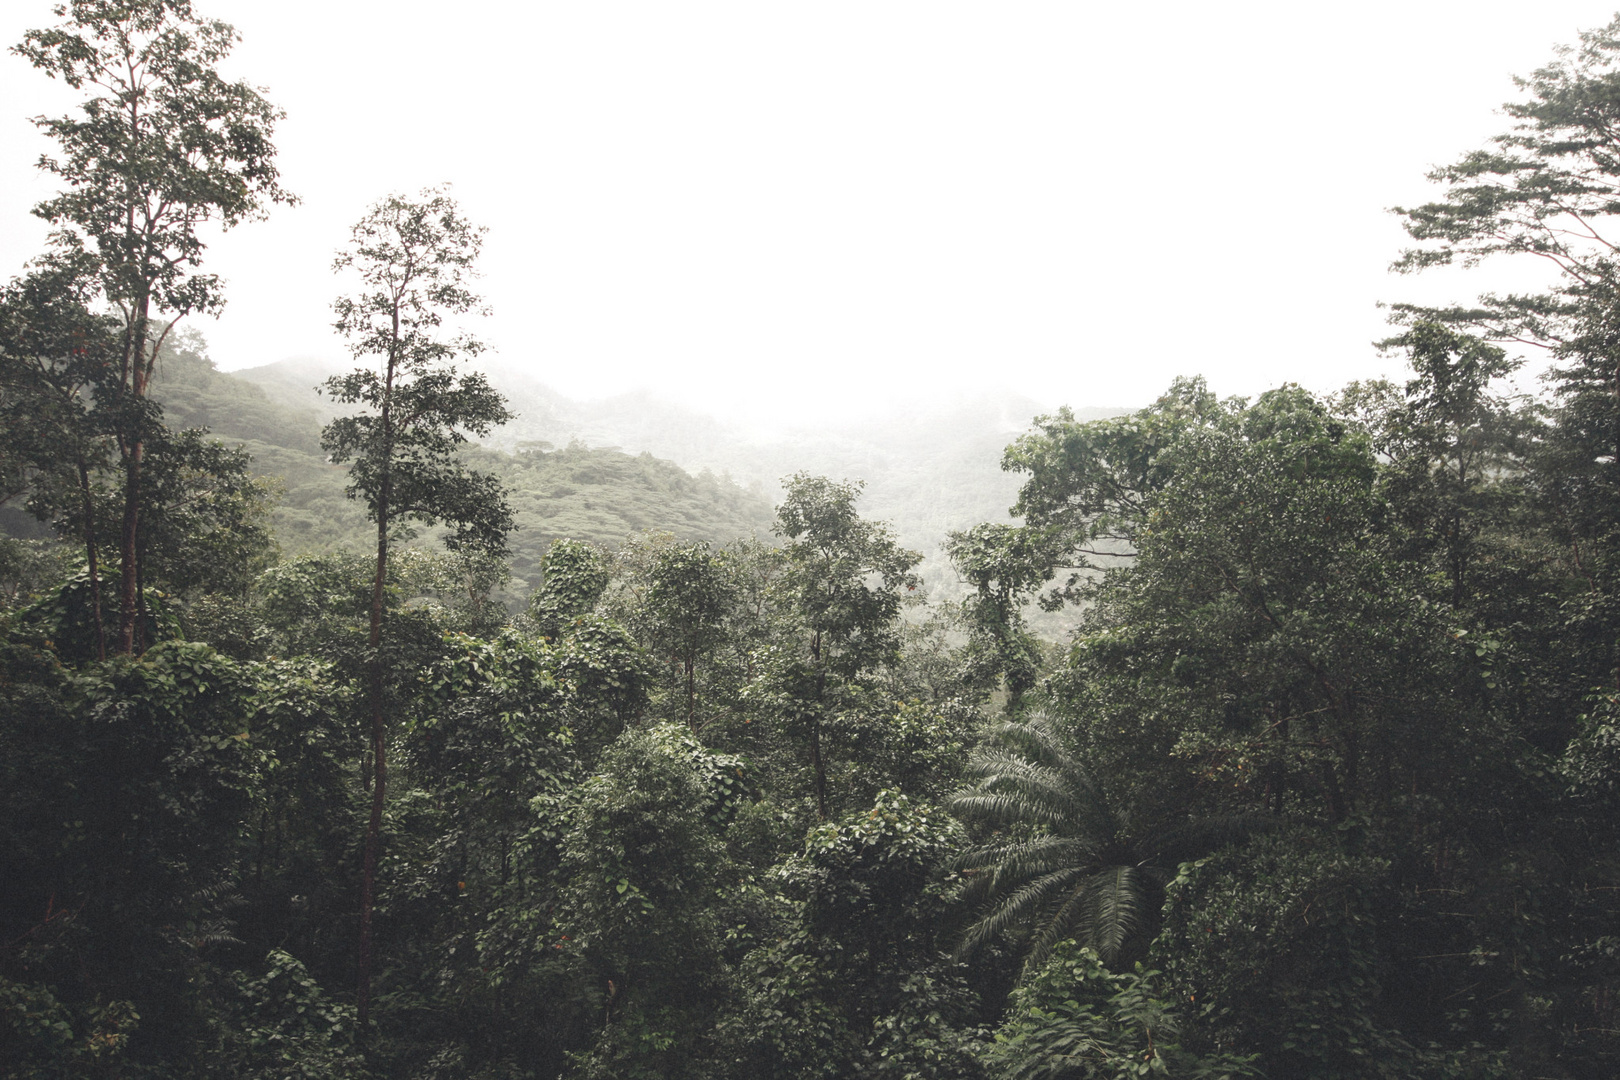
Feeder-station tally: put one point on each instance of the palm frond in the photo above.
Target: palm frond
(1027, 775)
(1021, 905)
(1054, 929)
(993, 802)
(1115, 908)
(1018, 860)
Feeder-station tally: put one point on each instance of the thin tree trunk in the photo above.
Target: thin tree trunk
(820, 769)
(140, 595)
(134, 448)
(90, 559)
(379, 764)
(128, 590)
(379, 755)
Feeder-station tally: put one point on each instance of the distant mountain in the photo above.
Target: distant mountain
(292, 384)
(926, 471)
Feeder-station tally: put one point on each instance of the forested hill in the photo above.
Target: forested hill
(926, 471)
(599, 494)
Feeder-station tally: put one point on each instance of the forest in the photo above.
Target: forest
(356, 746)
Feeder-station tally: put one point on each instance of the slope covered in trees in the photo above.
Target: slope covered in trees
(598, 494)
(926, 470)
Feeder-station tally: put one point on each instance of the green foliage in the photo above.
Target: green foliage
(1060, 862)
(690, 591)
(641, 862)
(855, 986)
(308, 601)
(43, 1039)
(1076, 1020)
(595, 495)
(125, 785)
(914, 746)
(63, 619)
(1085, 498)
(166, 147)
(1278, 950)
(28, 568)
(872, 869)
(285, 1027)
(413, 260)
(575, 576)
(1334, 746)
(840, 582)
(1004, 565)
(843, 577)
(601, 496)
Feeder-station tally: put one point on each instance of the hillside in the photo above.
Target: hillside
(598, 494)
(927, 470)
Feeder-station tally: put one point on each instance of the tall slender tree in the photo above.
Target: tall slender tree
(414, 260)
(164, 145)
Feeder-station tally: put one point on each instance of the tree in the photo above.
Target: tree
(1449, 442)
(1284, 643)
(124, 792)
(998, 561)
(1549, 188)
(1076, 1020)
(690, 594)
(851, 981)
(641, 908)
(842, 579)
(414, 260)
(1545, 188)
(1089, 487)
(166, 146)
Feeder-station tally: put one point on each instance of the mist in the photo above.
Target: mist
(806, 214)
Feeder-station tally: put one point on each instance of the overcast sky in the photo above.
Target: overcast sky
(832, 206)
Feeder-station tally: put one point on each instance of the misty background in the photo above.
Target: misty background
(792, 215)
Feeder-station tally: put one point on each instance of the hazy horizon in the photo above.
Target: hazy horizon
(828, 212)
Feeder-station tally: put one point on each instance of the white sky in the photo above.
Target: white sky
(835, 206)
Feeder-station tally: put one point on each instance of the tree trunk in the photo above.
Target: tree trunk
(90, 559)
(128, 590)
(820, 769)
(374, 671)
(133, 445)
(379, 765)
(140, 596)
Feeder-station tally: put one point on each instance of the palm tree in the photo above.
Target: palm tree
(1062, 863)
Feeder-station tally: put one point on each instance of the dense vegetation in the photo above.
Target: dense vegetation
(1324, 785)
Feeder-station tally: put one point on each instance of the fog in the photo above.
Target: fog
(823, 210)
